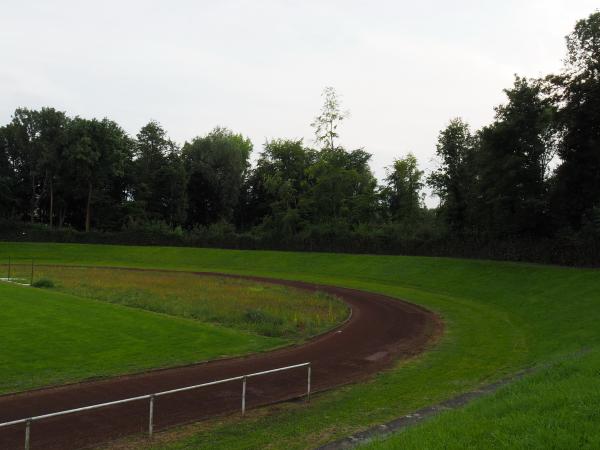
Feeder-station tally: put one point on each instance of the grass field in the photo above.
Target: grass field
(266, 309)
(57, 335)
(50, 338)
(500, 317)
(556, 408)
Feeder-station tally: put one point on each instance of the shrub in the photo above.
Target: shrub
(569, 248)
(259, 317)
(43, 283)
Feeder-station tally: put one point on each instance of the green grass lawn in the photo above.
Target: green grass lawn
(49, 338)
(556, 408)
(500, 317)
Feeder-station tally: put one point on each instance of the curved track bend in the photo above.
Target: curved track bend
(380, 331)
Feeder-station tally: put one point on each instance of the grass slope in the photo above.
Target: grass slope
(499, 317)
(556, 408)
(50, 338)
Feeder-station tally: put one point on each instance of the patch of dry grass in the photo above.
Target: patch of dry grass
(266, 309)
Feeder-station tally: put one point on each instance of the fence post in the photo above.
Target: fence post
(244, 395)
(151, 417)
(27, 433)
(308, 386)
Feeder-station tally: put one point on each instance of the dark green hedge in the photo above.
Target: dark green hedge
(561, 251)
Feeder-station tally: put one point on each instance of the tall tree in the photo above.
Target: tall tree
(277, 184)
(51, 138)
(175, 178)
(342, 188)
(34, 141)
(26, 153)
(327, 122)
(96, 154)
(403, 190)
(454, 180)
(158, 176)
(7, 176)
(515, 154)
(341, 184)
(151, 147)
(216, 165)
(578, 92)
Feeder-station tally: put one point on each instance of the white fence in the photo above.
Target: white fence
(243, 378)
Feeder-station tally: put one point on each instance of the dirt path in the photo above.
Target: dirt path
(380, 331)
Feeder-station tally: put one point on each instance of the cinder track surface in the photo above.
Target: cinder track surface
(380, 331)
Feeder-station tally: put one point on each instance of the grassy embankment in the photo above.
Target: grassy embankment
(555, 408)
(500, 317)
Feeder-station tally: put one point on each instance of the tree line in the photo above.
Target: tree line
(531, 174)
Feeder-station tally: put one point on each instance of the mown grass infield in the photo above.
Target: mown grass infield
(50, 338)
(500, 317)
(60, 334)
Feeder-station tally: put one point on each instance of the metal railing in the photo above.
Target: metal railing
(28, 421)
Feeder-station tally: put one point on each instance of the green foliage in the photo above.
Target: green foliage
(267, 324)
(216, 165)
(403, 192)
(454, 180)
(43, 283)
(429, 239)
(328, 121)
(577, 91)
(7, 177)
(257, 316)
(95, 159)
(32, 146)
(341, 188)
(513, 158)
(158, 178)
(276, 186)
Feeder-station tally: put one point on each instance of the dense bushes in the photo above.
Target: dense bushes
(581, 250)
(43, 283)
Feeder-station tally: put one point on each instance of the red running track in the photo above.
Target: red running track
(380, 331)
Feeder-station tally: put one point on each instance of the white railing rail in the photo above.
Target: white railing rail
(28, 421)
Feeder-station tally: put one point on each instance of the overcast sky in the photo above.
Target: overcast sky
(403, 68)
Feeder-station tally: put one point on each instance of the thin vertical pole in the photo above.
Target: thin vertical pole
(31, 283)
(27, 433)
(243, 396)
(9, 268)
(308, 386)
(151, 417)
